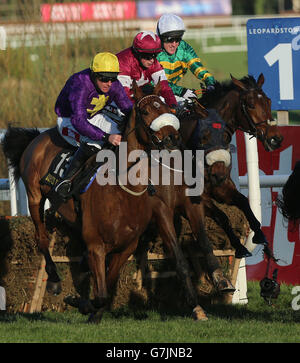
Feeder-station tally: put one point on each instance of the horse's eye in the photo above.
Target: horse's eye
(144, 112)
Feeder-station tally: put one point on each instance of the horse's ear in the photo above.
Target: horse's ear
(260, 80)
(238, 83)
(157, 88)
(137, 92)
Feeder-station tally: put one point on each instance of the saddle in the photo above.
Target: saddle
(81, 181)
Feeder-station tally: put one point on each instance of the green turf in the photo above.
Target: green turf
(255, 322)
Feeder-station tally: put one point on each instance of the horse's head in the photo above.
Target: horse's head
(156, 123)
(255, 115)
(218, 166)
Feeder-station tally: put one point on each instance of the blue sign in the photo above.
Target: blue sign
(274, 50)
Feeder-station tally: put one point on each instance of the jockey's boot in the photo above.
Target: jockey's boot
(83, 153)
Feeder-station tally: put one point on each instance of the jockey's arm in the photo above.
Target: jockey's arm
(126, 82)
(166, 91)
(123, 99)
(79, 116)
(196, 66)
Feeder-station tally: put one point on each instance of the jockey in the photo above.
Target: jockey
(178, 56)
(90, 108)
(139, 63)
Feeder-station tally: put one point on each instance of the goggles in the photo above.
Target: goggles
(106, 79)
(172, 39)
(148, 56)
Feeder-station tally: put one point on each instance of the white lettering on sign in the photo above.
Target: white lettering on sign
(61, 12)
(108, 11)
(273, 30)
(282, 53)
(295, 44)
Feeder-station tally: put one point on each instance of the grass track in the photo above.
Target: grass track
(256, 323)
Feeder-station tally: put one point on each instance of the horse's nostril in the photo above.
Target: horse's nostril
(275, 141)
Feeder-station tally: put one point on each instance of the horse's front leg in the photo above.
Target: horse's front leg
(222, 220)
(164, 220)
(116, 262)
(239, 200)
(42, 239)
(228, 193)
(196, 216)
(96, 261)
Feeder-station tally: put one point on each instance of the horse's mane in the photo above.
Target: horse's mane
(210, 98)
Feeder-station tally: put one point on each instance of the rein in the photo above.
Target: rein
(166, 166)
(136, 194)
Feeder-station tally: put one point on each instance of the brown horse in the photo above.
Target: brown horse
(210, 137)
(112, 219)
(243, 105)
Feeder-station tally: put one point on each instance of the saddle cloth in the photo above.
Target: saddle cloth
(58, 167)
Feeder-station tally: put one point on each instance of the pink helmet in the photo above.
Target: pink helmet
(147, 42)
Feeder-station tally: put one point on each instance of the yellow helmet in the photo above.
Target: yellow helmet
(105, 62)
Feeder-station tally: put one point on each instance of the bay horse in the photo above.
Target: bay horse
(243, 105)
(112, 220)
(288, 201)
(209, 136)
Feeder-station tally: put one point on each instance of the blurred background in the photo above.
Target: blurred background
(43, 42)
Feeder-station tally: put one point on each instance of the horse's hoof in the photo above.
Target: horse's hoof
(199, 314)
(85, 307)
(259, 238)
(95, 318)
(54, 288)
(242, 252)
(221, 283)
(225, 287)
(72, 301)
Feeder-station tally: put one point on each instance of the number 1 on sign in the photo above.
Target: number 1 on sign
(283, 54)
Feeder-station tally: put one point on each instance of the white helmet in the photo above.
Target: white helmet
(170, 25)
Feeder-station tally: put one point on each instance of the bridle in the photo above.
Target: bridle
(155, 141)
(253, 130)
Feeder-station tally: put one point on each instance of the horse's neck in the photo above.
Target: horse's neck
(132, 145)
(187, 128)
(228, 109)
(130, 136)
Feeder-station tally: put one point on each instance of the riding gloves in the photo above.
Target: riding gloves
(188, 93)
